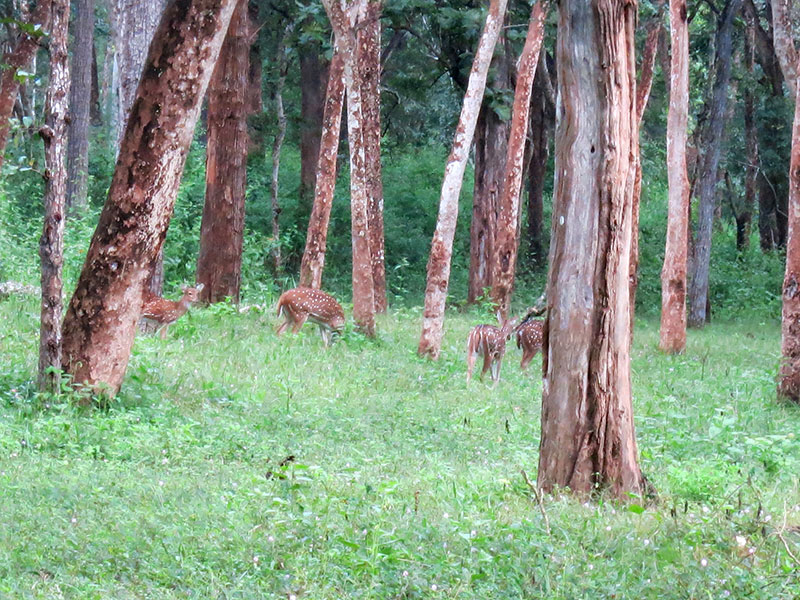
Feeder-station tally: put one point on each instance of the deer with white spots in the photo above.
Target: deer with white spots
(530, 335)
(162, 313)
(303, 303)
(490, 342)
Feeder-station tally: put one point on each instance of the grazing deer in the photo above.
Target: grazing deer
(530, 335)
(302, 303)
(162, 313)
(490, 342)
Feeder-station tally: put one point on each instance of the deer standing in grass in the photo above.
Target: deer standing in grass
(490, 342)
(302, 303)
(162, 313)
(530, 335)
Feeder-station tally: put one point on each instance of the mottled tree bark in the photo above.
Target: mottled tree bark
(100, 324)
(784, 42)
(505, 252)
(325, 181)
(51, 244)
(80, 98)
(280, 135)
(219, 262)
(315, 87)
(673, 275)
(430, 342)
(588, 438)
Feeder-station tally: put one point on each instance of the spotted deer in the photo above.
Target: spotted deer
(162, 313)
(490, 342)
(302, 303)
(529, 339)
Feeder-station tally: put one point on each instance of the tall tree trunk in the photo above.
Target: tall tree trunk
(80, 98)
(541, 125)
(505, 252)
(588, 435)
(744, 220)
(709, 167)
(325, 180)
(219, 262)
(673, 275)
(783, 41)
(95, 113)
(255, 102)
(18, 59)
(51, 244)
(369, 64)
(314, 101)
(283, 67)
(430, 342)
(100, 324)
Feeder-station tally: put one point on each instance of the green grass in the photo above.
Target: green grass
(403, 482)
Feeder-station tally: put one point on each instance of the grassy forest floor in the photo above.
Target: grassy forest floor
(235, 464)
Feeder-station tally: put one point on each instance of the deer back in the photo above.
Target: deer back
(166, 311)
(319, 306)
(486, 340)
(530, 335)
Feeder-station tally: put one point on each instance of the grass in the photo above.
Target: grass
(238, 465)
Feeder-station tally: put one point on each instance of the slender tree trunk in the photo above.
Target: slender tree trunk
(283, 67)
(541, 125)
(744, 222)
(673, 275)
(95, 113)
(314, 102)
(709, 167)
(18, 59)
(325, 180)
(51, 244)
(219, 262)
(430, 342)
(588, 435)
(784, 42)
(255, 102)
(100, 324)
(80, 98)
(505, 252)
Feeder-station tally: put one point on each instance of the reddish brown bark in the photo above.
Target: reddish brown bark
(588, 438)
(51, 244)
(18, 59)
(219, 262)
(430, 342)
(783, 41)
(325, 181)
(100, 324)
(505, 252)
(673, 275)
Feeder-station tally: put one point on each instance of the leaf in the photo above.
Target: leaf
(636, 508)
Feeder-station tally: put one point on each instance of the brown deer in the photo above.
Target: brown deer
(530, 334)
(302, 303)
(490, 342)
(162, 313)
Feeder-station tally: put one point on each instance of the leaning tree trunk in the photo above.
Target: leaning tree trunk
(709, 165)
(219, 262)
(277, 145)
(504, 260)
(80, 99)
(673, 275)
(100, 324)
(588, 436)
(430, 342)
(18, 60)
(325, 181)
(51, 244)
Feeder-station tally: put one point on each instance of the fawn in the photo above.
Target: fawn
(302, 303)
(490, 342)
(162, 313)
(529, 339)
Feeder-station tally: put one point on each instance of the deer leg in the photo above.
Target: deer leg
(284, 326)
(326, 335)
(471, 356)
(496, 371)
(527, 357)
(487, 361)
(163, 332)
(299, 323)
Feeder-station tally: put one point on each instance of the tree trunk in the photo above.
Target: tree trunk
(541, 124)
(505, 252)
(369, 64)
(744, 221)
(325, 180)
(255, 102)
(783, 41)
(283, 67)
(51, 244)
(18, 60)
(430, 342)
(219, 262)
(709, 167)
(314, 102)
(588, 438)
(100, 324)
(673, 275)
(80, 98)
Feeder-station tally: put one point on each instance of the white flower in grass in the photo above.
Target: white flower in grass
(703, 562)
(741, 541)
(161, 483)
(405, 573)
(271, 538)
(590, 566)
(646, 542)
(445, 516)
(255, 560)
(434, 587)
(74, 520)
(608, 527)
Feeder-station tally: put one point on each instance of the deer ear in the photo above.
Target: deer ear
(200, 287)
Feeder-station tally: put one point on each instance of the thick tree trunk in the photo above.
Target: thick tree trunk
(51, 244)
(283, 67)
(17, 60)
(325, 180)
(80, 98)
(789, 382)
(100, 324)
(673, 275)
(430, 342)
(219, 262)
(505, 252)
(709, 167)
(587, 416)
(541, 125)
(314, 104)
(784, 42)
